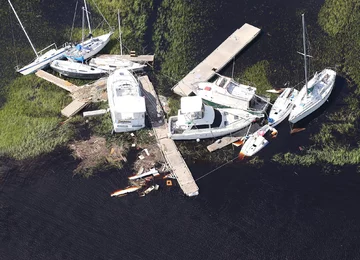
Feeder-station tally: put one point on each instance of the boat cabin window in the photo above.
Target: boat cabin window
(195, 127)
(220, 82)
(231, 86)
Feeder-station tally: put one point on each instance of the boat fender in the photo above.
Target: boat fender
(207, 88)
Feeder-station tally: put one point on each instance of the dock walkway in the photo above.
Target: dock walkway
(140, 58)
(167, 146)
(218, 59)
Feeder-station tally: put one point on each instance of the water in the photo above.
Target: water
(242, 212)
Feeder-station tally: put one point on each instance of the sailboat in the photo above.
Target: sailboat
(87, 49)
(43, 58)
(112, 62)
(282, 106)
(77, 70)
(258, 141)
(315, 91)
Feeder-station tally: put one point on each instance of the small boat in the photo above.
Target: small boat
(88, 48)
(152, 172)
(196, 120)
(77, 70)
(125, 191)
(113, 62)
(150, 189)
(42, 59)
(127, 105)
(227, 93)
(315, 92)
(257, 141)
(282, 106)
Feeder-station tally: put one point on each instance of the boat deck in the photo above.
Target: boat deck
(218, 59)
(167, 146)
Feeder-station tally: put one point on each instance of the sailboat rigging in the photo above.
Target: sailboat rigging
(90, 47)
(315, 91)
(42, 60)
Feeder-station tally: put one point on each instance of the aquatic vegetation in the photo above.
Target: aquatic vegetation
(177, 34)
(257, 76)
(174, 105)
(30, 119)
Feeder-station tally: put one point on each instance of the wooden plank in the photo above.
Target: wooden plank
(171, 154)
(73, 108)
(217, 59)
(139, 58)
(57, 81)
(95, 113)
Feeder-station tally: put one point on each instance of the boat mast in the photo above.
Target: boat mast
(82, 26)
(27, 36)
(87, 17)
(120, 32)
(305, 57)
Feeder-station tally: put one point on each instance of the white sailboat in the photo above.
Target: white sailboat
(77, 70)
(43, 58)
(282, 106)
(196, 120)
(87, 49)
(257, 141)
(225, 92)
(315, 92)
(113, 62)
(127, 106)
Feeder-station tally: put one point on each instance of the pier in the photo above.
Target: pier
(82, 95)
(218, 59)
(167, 146)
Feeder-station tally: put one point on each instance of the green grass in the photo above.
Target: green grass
(30, 118)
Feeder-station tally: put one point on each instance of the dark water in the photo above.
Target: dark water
(242, 212)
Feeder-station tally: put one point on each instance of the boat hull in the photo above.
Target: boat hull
(90, 48)
(298, 114)
(42, 63)
(77, 75)
(282, 106)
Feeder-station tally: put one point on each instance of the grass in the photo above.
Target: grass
(30, 119)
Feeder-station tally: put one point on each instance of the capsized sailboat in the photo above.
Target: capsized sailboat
(315, 92)
(43, 59)
(87, 49)
(77, 70)
(125, 191)
(282, 106)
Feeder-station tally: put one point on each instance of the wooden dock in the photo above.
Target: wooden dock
(218, 59)
(74, 107)
(57, 81)
(167, 146)
(226, 140)
(140, 58)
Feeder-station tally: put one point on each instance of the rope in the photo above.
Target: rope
(73, 23)
(102, 15)
(206, 174)
(13, 38)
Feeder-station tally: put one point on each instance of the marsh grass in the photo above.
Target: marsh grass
(30, 119)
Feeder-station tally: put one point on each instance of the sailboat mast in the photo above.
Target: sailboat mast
(27, 36)
(305, 57)
(87, 17)
(120, 32)
(82, 25)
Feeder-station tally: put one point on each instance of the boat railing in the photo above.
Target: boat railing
(46, 48)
